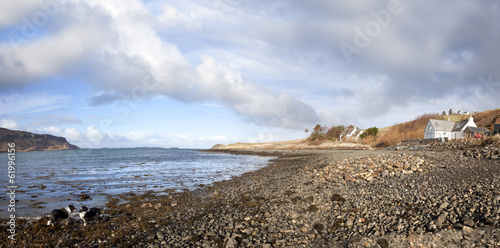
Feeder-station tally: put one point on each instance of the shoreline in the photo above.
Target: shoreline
(44, 188)
(298, 200)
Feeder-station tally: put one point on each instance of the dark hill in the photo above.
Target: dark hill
(26, 141)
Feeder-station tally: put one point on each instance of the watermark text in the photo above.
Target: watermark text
(11, 188)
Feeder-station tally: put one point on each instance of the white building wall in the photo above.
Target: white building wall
(457, 135)
(429, 135)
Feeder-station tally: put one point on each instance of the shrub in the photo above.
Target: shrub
(317, 136)
(334, 132)
(372, 131)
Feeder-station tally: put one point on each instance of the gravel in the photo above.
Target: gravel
(334, 198)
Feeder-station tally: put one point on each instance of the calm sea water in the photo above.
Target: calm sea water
(54, 179)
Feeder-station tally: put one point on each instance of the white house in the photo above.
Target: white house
(351, 132)
(447, 129)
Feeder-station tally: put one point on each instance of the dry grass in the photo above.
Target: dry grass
(491, 140)
(415, 129)
(487, 119)
(405, 131)
(368, 140)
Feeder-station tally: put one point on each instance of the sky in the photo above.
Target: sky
(192, 74)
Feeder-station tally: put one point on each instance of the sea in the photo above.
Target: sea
(49, 180)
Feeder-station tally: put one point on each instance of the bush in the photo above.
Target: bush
(372, 131)
(317, 136)
(334, 132)
(325, 133)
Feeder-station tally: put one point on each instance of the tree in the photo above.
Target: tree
(458, 112)
(450, 112)
(444, 113)
(318, 128)
(307, 131)
(372, 131)
(334, 132)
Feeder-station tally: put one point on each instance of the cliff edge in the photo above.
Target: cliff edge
(26, 141)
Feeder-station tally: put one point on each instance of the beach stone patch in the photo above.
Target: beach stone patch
(488, 152)
(301, 200)
(369, 168)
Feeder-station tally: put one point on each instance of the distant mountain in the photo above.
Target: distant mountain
(26, 141)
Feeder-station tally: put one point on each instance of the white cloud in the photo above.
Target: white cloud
(91, 138)
(13, 12)
(53, 130)
(30, 103)
(94, 135)
(130, 60)
(258, 103)
(9, 124)
(172, 18)
(72, 135)
(265, 137)
(219, 138)
(140, 135)
(243, 55)
(53, 48)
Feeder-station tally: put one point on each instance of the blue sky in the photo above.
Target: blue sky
(192, 74)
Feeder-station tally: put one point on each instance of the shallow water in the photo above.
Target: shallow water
(54, 179)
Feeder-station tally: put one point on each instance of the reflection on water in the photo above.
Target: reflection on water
(54, 179)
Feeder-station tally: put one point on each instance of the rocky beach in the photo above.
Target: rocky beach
(427, 197)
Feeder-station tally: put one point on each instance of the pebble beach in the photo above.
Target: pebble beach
(307, 198)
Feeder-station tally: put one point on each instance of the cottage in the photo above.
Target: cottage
(447, 129)
(351, 131)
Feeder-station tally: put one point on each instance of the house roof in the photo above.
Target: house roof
(358, 131)
(448, 126)
(476, 130)
(440, 125)
(348, 130)
(459, 125)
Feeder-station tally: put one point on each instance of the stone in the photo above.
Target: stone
(349, 223)
(468, 222)
(348, 178)
(467, 230)
(160, 236)
(440, 220)
(411, 239)
(231, 243)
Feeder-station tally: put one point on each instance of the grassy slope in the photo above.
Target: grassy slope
(415, 129)
(487, 119)
(394, 134)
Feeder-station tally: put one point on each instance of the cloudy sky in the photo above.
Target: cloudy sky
(128, 73)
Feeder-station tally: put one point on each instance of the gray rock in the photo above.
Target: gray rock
(349, 223)
(231, 243)
(160, 236)
(468, 222)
